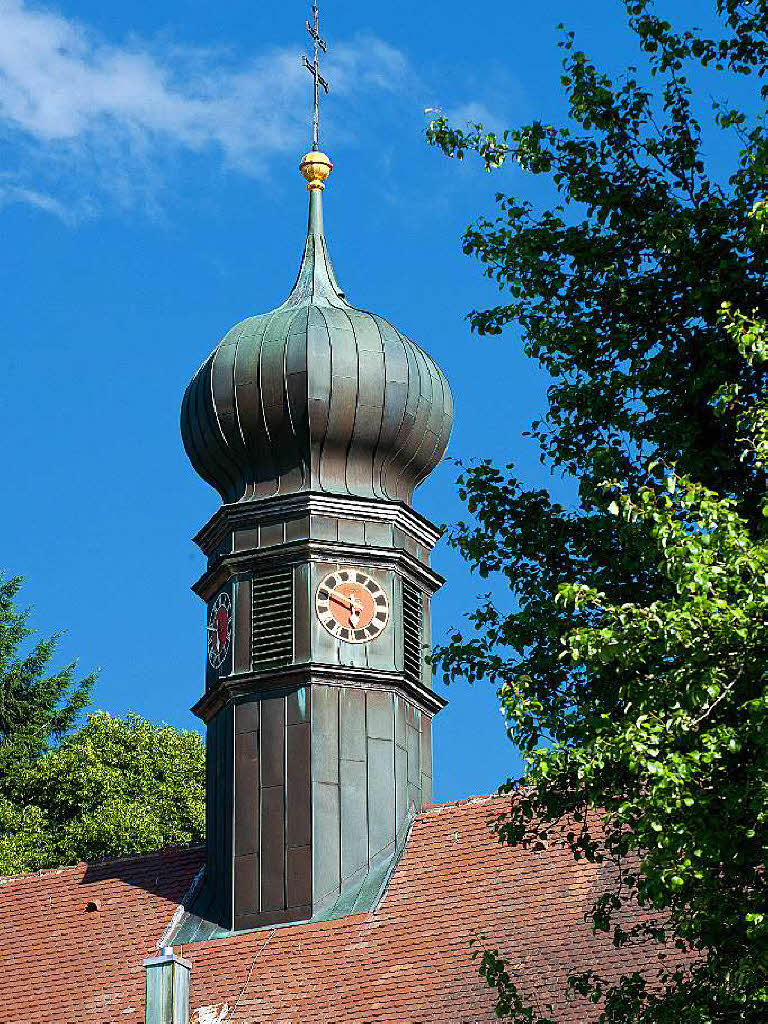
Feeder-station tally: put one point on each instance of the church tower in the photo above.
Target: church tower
(315, 423)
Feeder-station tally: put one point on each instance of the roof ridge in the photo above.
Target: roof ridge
(479, 798)
(434, 808)
(101, 861)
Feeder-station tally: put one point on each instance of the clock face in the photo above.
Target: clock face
(219, 630)
(351, 605)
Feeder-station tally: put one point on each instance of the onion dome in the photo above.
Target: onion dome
(316, 395)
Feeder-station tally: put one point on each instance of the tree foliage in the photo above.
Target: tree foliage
(37, 706)
(114, 787)
(631, 664)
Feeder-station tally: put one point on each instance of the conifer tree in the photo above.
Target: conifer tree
(37, 706)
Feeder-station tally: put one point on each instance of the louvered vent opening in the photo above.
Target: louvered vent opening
(273, 618)
(413, 656)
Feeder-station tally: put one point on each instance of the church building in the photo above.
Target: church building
(331, 888)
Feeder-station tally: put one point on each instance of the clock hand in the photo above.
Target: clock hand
(351, 602)
(356, 609)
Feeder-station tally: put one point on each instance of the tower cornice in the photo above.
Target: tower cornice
(230, 566)
(244, 514)
(262, 683)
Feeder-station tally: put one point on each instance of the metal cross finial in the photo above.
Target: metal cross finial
(314, 68)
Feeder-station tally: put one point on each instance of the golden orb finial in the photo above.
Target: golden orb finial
(315, 167)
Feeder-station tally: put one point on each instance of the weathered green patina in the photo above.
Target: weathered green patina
(167, 988)
(316, 396)
(315, 422)
(195, 924)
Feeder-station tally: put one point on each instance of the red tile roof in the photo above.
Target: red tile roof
(408, 961)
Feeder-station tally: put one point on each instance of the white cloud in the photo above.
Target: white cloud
(18, 194)
(82, 119)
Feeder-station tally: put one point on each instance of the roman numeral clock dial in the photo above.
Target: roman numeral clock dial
(351, 606)
(219, 630)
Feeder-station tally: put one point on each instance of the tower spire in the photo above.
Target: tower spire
(315, 422)
(313, 66)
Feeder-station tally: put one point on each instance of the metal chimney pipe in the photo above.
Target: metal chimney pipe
(167, 988)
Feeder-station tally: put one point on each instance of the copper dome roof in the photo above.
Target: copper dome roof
(316, 396)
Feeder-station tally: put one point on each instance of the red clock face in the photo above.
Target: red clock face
(352, 606)
(219, 630)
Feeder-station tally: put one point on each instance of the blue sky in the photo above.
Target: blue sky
(149, 200)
